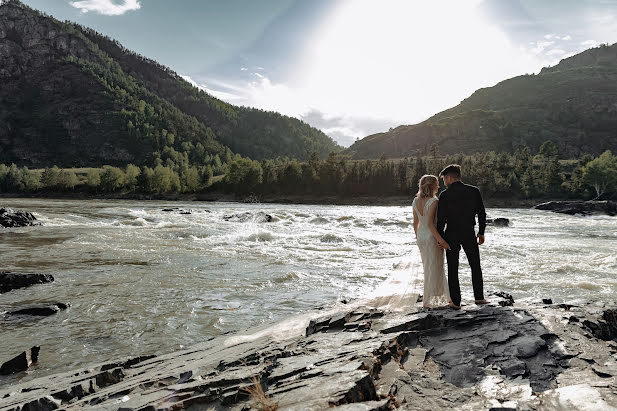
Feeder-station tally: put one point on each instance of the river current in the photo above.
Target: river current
(144, 281)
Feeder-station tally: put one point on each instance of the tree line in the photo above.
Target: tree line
(515, 175)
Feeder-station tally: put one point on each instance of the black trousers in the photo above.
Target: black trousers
(469, 243)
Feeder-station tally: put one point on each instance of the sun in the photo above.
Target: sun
(404, 60)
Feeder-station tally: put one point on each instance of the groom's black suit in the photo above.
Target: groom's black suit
(458, 206)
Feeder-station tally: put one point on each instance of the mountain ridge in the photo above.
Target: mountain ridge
(573, 103)
(73, 97)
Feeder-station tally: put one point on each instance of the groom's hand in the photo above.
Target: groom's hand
(480, 239)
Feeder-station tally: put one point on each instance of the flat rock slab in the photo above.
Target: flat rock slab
(13, 218)
(10, 281)
(525, 355)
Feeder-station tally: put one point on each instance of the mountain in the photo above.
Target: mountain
(72, 97)
(573, 104)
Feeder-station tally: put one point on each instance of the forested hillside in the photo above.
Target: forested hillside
(72, 97)
(573, 104)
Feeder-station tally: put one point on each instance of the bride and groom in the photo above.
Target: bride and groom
(455, 211)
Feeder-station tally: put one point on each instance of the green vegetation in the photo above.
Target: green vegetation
(499, 175)
(81, 99)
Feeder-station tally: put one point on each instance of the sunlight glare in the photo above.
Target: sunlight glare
(404, 59)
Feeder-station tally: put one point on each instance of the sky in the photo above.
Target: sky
(348, 67)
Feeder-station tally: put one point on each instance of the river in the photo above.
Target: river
(144, 281)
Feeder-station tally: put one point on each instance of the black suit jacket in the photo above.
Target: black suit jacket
(458, 206)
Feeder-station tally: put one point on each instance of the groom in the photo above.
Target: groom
(458, 206)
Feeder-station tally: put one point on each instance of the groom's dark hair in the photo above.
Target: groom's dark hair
(453, 169)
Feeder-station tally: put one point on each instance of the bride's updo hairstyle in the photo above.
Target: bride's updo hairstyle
(428, 186)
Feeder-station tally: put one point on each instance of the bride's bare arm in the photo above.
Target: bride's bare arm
(432, 212)
(416, 222)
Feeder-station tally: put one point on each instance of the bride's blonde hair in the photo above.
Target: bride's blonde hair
(427, 186)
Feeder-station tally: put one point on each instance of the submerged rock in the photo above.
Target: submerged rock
(177, 209)
(20, 363)
(41, 310)
(259, 217)
(520, 356)
(12, 218)
(580, 207)
(10, 281)
(498, 222)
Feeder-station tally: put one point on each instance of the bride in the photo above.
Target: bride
(428, 239)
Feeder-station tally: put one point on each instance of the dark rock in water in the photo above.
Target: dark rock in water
(498, 222)
(43, 310)
(505, 299)
(179, 210)
(12, 218)
(523, 356)
(10, 281)
(259, 217)
(547, 301)
(21, 362)
(580, 207)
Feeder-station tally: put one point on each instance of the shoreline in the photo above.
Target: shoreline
(297, 200)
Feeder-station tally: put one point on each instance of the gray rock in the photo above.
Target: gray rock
(475, 358)
(20, 363)
(10, 281)
(11, 218)
(259, 217)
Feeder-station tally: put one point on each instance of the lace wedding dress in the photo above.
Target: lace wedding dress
(435, 285)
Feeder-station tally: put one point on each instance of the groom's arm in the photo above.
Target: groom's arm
(441, 214)
(481, 212)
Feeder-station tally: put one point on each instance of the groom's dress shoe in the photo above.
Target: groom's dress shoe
(454, 307)
(481, 302)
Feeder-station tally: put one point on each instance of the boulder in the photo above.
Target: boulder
(12, 218)
(498, 222)
(177, 209)
(259, 217)
(10, 281)
(20, 363)
(41, 310)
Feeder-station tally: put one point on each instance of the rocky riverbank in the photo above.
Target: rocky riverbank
(580, 207)
(525, 355)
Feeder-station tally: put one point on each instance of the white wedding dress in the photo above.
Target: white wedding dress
(435, 285)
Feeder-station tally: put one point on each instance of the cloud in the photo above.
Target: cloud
(555, 52)
(346, 129)
(107, 7)
(540, 46)
(589, 43)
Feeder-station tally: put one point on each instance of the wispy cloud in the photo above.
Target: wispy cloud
(106, 7)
